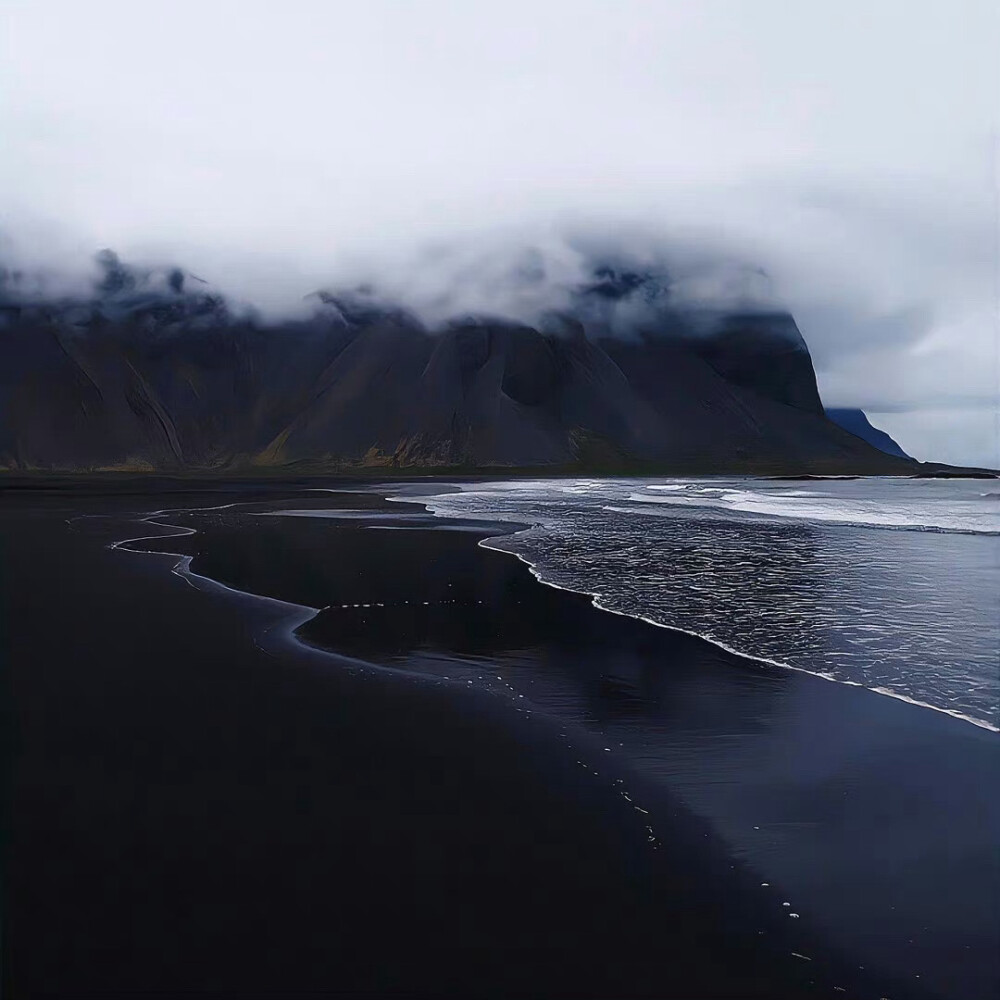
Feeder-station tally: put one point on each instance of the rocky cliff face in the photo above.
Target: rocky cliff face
(152, 373)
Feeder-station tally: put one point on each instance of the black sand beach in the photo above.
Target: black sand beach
(199, 804)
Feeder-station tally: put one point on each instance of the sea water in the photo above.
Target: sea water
(889, 584)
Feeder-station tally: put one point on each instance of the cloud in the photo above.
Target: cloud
(454, 149)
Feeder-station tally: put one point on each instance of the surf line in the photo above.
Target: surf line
(597, 600)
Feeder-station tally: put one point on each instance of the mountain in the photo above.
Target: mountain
(154, 371)
(858, 424)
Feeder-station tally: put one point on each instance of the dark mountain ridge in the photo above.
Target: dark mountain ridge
(153, 371)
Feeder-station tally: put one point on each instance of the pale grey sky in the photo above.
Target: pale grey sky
(849, 147)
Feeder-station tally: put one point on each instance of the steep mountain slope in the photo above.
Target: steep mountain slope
(857, 423)
(147, 373)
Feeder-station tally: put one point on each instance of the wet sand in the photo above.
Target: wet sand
(199, 803)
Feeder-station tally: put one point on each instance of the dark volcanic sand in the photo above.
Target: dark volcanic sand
(199, 804)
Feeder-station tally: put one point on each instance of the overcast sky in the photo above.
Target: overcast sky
(851, 148)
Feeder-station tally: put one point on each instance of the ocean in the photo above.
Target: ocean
(888, 584)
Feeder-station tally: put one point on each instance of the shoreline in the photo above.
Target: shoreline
(516, 528)
(310, 632)
(596, 600)
(274, 625)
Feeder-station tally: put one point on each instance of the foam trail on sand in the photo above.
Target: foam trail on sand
(293, 616)
(598, 602)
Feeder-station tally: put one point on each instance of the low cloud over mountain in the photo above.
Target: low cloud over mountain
(155, 370)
